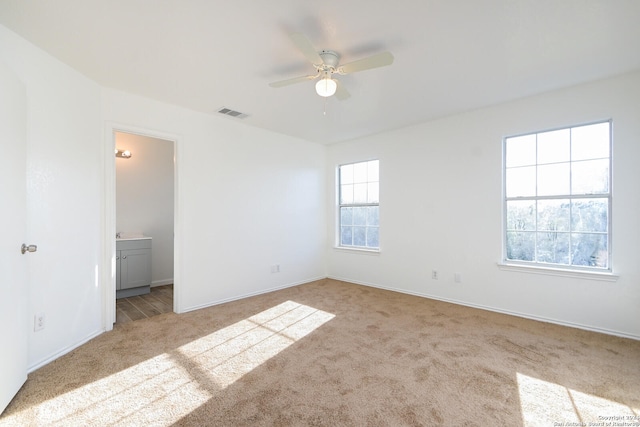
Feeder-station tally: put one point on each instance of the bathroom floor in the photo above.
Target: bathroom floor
(158, 301)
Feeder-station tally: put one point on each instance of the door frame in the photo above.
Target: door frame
(109, 219)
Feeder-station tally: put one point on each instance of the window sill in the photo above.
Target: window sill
(550, 271)
(357, 250)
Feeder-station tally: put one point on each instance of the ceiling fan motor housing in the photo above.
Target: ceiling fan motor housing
(330, 60)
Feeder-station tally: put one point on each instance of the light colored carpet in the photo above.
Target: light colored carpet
(330, 353)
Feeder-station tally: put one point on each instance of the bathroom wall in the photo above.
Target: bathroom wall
(144, 197)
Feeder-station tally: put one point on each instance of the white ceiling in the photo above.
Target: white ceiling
(450, 55)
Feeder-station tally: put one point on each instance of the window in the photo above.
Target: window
(359, 205)
(558, 197)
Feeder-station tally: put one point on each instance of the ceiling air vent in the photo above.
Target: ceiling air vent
(232, 113)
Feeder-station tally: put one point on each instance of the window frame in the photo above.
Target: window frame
(548, 267)
(338, 240)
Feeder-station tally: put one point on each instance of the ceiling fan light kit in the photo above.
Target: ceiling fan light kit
(326, 87)
(326, 65)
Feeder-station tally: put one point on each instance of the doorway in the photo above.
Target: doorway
(143, 211)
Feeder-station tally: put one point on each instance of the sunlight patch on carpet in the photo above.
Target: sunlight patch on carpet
(546, 403)
(133, 394)
(162, 390)
(228, 354)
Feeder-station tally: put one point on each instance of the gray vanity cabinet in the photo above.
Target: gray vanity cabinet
(133, 267)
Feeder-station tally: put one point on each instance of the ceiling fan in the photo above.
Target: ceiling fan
(326, 63)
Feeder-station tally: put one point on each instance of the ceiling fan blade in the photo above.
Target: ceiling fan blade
(341, 92)
(304, 45)
(292, 81)
(375, 61)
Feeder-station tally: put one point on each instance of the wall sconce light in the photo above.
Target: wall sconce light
(125, 154)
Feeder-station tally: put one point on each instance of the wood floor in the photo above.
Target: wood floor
(159, 301)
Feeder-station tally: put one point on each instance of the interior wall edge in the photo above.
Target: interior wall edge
(605, 331)
(52, 357)
(162, 282)
(252, 294)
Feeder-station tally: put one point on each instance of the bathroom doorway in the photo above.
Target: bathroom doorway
(144, 212)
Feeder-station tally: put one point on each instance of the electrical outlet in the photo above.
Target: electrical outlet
(38, 322)
(434, 274)
(457, 277)
(275, 268)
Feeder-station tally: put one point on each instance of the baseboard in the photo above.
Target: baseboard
(91, 336)
(133, 292)
(496, 310)
(64, 351)
(72, 347)
(162, 282)
(252, 294)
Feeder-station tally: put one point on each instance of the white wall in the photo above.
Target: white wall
(64, 198)
(247, 199)
(144, 198)
(441, 209)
